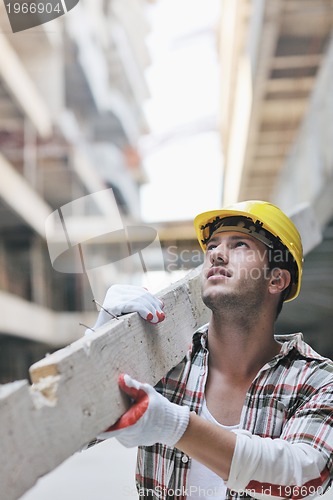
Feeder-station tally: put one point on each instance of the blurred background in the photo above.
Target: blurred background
(176, 107)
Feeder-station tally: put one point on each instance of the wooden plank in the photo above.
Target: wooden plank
(75, 393)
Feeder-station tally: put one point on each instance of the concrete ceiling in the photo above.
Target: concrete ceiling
(294, 37)
(285, 82)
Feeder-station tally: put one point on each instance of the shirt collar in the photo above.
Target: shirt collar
(289, 342)
(295, 341)
(199, 338)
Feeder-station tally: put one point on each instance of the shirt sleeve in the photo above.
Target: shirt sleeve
(266, 468)
(299, 463)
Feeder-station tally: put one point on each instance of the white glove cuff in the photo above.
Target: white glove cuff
(175, 423)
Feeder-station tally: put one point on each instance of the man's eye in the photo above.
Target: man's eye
(210, 247)
(241, 244)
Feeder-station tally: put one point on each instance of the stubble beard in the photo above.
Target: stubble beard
(246, 301)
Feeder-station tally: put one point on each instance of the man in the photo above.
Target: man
(246, 413)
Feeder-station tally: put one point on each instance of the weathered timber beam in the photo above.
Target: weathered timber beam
(75, 393)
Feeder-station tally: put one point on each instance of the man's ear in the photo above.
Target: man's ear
(279, 281)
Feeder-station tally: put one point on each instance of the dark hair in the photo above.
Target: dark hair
(279, 257)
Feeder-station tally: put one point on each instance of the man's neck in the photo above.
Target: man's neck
(239, 349)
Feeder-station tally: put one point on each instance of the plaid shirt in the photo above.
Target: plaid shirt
(291, 398)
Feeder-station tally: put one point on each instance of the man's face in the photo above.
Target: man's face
(235, 271)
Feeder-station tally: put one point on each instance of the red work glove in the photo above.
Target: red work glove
(151, 419)
(122, 299)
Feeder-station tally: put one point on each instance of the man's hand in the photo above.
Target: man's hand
(151, 419)
(122, 299)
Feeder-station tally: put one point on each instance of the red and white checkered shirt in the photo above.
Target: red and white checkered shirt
(284, 443)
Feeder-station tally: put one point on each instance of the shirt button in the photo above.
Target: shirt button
(184, 459)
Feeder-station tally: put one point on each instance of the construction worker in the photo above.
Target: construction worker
(246, 413)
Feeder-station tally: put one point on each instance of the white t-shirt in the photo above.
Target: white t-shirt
(203, 482)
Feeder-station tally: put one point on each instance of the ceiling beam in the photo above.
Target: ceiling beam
(284, 110)
(276, 137)
(269, 150)
(290, 84)
(303, 61)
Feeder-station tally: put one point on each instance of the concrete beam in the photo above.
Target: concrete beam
(24, 319)
(323, 204)
(22, 89)
(250, 88)
(22, 199)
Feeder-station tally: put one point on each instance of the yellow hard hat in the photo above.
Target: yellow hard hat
(263, 221)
